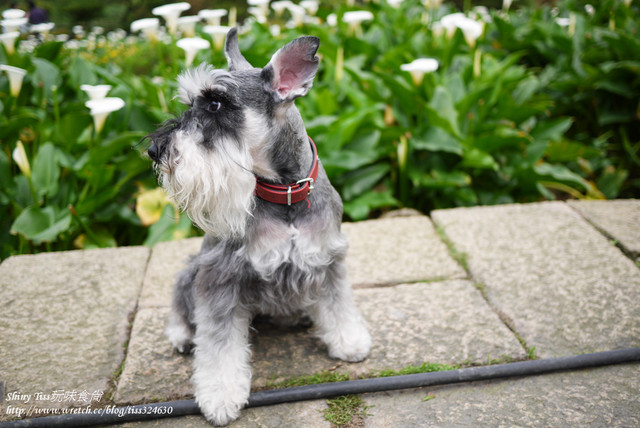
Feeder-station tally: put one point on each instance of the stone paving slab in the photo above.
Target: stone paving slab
(599, 398)
(167, 259)
(558, 282)
(451, 324)
(397, 250)
(65, 319)
(289, 415)
(618, 219)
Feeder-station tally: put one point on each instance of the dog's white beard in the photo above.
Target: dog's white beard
(214, 186)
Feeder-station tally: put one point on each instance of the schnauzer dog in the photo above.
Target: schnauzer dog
(240, 163)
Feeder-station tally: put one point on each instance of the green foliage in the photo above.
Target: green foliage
(532, 110)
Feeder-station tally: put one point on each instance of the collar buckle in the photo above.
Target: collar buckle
(304, 180)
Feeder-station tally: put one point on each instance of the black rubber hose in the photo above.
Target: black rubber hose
(312, 392)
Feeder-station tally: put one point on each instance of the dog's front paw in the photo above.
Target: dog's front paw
(222, 406)
(351, 343)
(179, 334)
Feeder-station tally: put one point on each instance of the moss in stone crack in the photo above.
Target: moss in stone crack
(346, 411)
(424, 368)
(322, 377)
(458, 256)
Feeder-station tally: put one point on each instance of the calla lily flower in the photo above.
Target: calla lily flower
(191, 46)
(298, 13)
(356, 18)
(96, 92)
(506, 4)
(100, 109)
(14, 24)
(470, 29)
(148, 26)
(263, 5)
(419, 68)
(218, 33)
(311, 6)
(44, 28)
(9, 40)
(20, 158)
(187, 24)
(212, 16)
(15, 78)
(258, 14)
(280, 6)
(170, 13)
(432, 4)
(13, 14)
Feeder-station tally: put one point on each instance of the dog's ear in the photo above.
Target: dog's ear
(290, 72)
(231, 50)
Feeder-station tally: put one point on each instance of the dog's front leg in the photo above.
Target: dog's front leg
(337, 321)
(222, 374)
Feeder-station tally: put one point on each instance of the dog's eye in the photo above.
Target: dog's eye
(214, 106)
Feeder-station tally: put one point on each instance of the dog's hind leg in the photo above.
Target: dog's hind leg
(180, 328)
(222, 371)
(337, 321)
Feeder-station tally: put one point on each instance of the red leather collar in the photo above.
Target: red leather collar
(292, 193)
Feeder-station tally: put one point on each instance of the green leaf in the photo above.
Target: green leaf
(45, 171)
(611, 181)
(101, 238)
(359, 208)
(46, 75)
(525, 90)
(560, 173)
(551, 130)
(49, 50)
(476, 158)
(41, 225)
(437, 139)
(437, 179)
(168, 228)
(442, 112)
(361, 180)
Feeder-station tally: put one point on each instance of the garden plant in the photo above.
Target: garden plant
(416, 104)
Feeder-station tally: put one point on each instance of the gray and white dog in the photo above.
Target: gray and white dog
(240, 163)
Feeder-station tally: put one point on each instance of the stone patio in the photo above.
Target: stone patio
(549, 279)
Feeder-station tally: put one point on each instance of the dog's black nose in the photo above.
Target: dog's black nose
(152, 151)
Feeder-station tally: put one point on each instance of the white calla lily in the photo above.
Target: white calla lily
(9, 41)
(101, 108)
(13, 24)
(356, 18)
(218, 33)
(280, 6)
(419, 68)
(213, 16)
(13, 14)
(148, 26)
(15, 78)
(19, 156)
(44, 28)
(96, 92)
(187, 24)
(171, 12)
(311, 6)
(470, 29)
(191, 46)
(263, 5)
